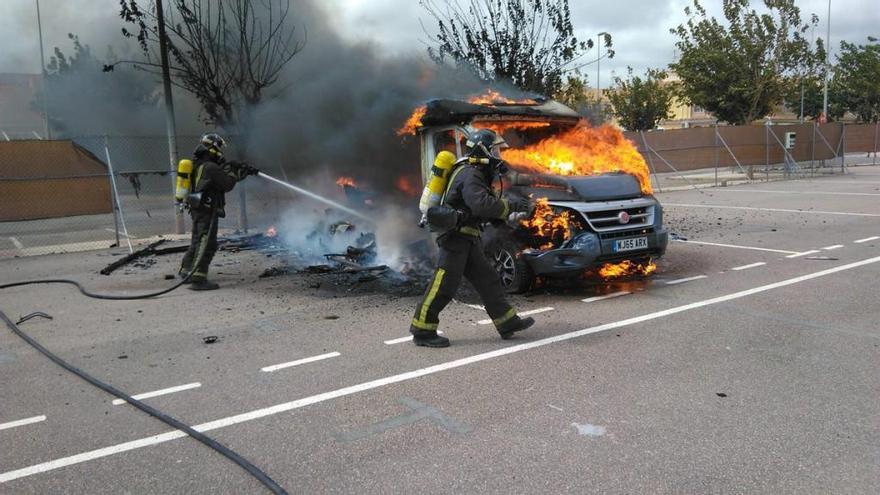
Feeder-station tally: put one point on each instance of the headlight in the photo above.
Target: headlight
(584, 241)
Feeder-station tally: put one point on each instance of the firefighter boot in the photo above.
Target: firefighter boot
(429, 339)
(204, 285)
(513, 325)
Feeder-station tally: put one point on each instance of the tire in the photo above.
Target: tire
(515, 274)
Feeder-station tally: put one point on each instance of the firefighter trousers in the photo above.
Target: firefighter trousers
(203, 245)
(461, 256)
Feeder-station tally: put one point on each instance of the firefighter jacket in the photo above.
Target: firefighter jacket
(470, 191)
(214, 180)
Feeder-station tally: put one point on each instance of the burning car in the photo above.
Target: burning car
(594, 208)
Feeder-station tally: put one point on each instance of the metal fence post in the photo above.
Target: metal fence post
(876, 128)
(842, 147)
(716, 154)
(650, 160)
(813, 151)
(767, 151)
(116, 197)
(242, 209)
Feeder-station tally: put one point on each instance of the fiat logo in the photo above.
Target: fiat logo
(623, 217)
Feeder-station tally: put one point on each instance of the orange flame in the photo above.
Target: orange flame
(345, 181)
(271, 231)
(582, 150)
(407, 185)
(492, 97)
(413, 122)
(626, 268)
(548, 224)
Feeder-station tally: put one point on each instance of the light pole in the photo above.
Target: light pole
(827, 57)
(43, 75)
(598, 63)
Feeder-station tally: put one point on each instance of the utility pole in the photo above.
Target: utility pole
(598, 63)
(827, 58)
(48, 132)
(170, 125)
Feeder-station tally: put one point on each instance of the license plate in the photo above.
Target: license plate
(630, 244)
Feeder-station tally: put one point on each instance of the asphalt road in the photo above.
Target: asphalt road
(747, 364)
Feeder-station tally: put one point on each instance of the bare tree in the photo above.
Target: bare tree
(227, 53)
(530, 43)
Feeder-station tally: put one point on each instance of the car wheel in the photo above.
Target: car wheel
(515, 274)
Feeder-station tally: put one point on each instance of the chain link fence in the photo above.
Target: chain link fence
(98, 192)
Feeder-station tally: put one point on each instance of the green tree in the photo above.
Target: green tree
(530, 43)
(576, 94)
(740, 70)
(641, 103)
(857, 79)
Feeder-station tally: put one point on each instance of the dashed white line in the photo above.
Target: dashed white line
(17, 243)
(403, 339)
(737, 247)
(798, 255)
(606, 296)
(276, 367)
(782, 210)
(409, 375)
(683, 280)
(867, 239)
(746, 267)
(833, 193)
(832, 248)
(22, 422)
(157, 393)
(524, 313)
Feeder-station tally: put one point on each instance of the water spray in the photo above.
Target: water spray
(314, 196)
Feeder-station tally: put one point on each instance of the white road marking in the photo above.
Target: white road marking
(832, 248)
(404, 339)
(276, 367)
(157, 393)
(746, 267)
(798, 255)
(123, 234)
(410, 375)
(22, 422)
(737, 246)
(798, 192)
(683, 280)
(814, 212)
(606, 296)
(474, 306)
(524, 313)
(18, 244)
(867, 239)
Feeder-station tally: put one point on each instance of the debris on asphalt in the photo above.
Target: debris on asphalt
(35, 314)
(210, 339)
(721, 394)
(821, 258)
(131, 257)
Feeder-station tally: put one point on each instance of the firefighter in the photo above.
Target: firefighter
(460, 250)
(213, 177)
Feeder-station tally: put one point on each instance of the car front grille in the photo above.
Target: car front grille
(625, 233)
(609, 220)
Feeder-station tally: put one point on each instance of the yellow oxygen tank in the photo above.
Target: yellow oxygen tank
(184, 173)
(436, 186)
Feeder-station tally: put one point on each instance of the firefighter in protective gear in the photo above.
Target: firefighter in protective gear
(460, 249)
(212, 177)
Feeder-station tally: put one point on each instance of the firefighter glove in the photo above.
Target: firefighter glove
(518, 204)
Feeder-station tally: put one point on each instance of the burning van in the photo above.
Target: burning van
(594, 208)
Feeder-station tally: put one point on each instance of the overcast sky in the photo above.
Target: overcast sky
(640, 27)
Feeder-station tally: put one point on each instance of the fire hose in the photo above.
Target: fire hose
(170, 421)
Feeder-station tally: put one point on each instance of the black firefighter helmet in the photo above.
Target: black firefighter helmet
(210, 147)
(485, 143)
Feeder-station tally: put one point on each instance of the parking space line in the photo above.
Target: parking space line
(409, 375)
(832, 248)
(606, 296)
(746, 267)
(782, 210)
(798, 255)
(524, 313)
(683, 280)
(867, 239)
(404, 339)
(157, 393)
(276, 367)
(736, 246)
(797, 192)
(16, 242)
(22, 422)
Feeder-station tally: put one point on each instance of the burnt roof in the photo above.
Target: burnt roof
(447, 112)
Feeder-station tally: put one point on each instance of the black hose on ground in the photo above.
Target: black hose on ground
(113, 297)
(201, 437)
